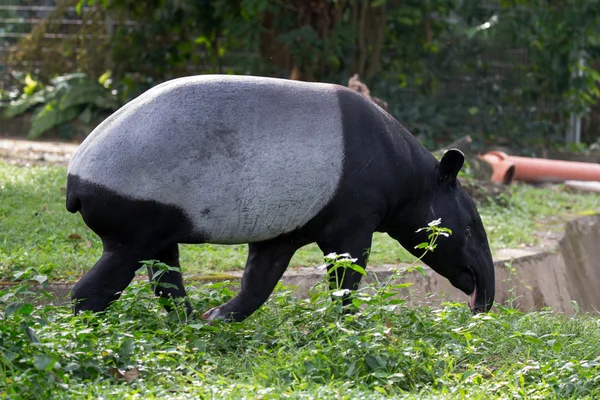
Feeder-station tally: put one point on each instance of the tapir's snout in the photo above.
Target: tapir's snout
(477, 281)
(482, 297)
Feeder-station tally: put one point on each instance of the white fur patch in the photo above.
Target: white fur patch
(245, 158)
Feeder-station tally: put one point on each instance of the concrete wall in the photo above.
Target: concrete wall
(565, 270)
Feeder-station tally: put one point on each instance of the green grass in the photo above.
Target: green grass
(294, 349)
(37, 232)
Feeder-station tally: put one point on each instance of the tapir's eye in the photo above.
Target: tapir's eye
(468, 231)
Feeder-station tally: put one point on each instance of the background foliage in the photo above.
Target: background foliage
(503, 71)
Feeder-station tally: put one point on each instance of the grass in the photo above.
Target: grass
(36, 231)
(290, 348)
(294, 349)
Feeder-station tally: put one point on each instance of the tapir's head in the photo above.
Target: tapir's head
(464, 257)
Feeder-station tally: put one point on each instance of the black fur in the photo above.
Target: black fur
(390, 183)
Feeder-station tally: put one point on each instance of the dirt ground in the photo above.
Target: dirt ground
(26, 153)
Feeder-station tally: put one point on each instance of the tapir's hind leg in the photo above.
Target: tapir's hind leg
(267, 261)
(168, 284)
(131, 231)
(103, 284)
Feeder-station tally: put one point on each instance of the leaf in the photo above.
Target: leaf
(31, 335)
(49, 117)
(351, 369)
(166, 285)
(71, 367)
(380, 390)
(41, 279)
(85, 93)
(68, 78)
(43, 362)
(358, 269)
(13, 308)
(87, 115)
(20, 106)
(27, 309)
(127, 347)
(374, 362)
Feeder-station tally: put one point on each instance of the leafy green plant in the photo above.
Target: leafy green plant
(297, 348)
(66, 98)
(386, 295)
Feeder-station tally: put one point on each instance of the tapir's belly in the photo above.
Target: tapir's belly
(244, 161)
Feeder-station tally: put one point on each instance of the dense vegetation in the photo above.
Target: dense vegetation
(294, 349)
(495, 69)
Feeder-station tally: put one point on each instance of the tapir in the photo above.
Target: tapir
(273, 163)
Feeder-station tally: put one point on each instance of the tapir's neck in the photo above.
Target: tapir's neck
(415, 187)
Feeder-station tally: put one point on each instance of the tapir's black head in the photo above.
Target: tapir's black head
(464, 257)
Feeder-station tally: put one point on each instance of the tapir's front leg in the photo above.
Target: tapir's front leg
(358, 245)
(267, 261)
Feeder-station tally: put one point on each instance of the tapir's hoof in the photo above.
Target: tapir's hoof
(212, 314)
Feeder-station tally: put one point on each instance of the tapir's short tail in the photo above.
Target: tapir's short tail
(73, 203)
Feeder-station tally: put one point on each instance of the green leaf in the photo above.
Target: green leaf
(41, 279)
(27, 309)
(43, 362)
(358, 268)
(87, 115)
(18, 107)
(71, 367)
(127, 347)
(13, 308)
(351, 369)
(31, 336)
(68, 78)
(166, 285)
(374, 362)
(49, 117)
(380, 390)
(85, 93)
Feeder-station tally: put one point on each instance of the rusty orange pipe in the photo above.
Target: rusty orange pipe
(540, 169)
(503, 169)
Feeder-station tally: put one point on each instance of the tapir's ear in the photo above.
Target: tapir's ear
(450, 164)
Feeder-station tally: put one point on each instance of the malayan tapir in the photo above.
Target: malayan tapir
(273, 163)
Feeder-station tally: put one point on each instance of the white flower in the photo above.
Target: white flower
(341, 293)
(435, 222)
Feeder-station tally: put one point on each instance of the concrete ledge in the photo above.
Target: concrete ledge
(564, 275)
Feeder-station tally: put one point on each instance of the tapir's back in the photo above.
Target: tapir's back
(245, 158)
